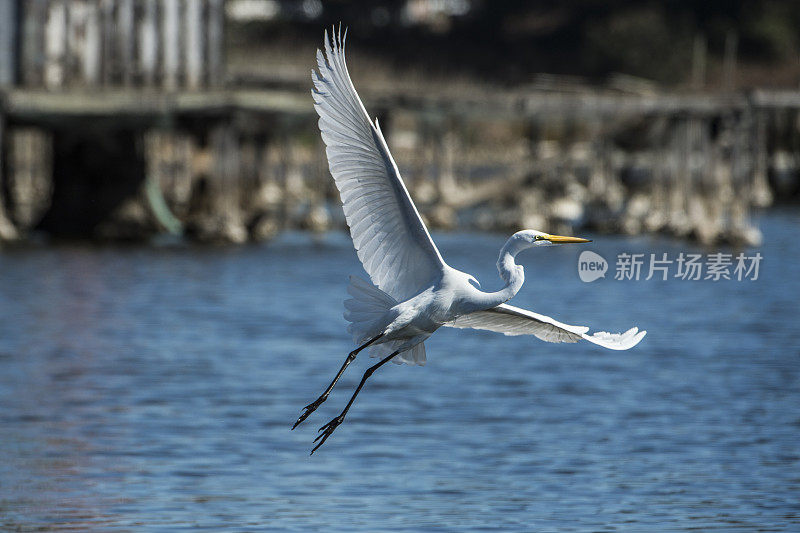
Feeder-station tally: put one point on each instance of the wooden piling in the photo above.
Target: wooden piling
(170, 43)
(55, 44)
(216, 25)
(92, 53)
(7, 230)
(148, 42)
(125, 41)
(32, 43)
(193, 44)
(29, 175)
(8, 43)
(107, 42)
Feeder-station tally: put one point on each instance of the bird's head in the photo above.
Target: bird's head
(538, 238)
(513, 273)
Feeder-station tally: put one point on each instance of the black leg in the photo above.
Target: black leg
(328, 428)
(310, 408)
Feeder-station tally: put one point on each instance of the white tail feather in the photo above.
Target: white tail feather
(365, 311)
(414, 356)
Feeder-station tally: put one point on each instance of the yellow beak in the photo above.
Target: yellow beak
(560, 239)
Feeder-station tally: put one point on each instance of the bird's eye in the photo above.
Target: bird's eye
(539, 237)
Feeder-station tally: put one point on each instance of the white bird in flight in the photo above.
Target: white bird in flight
(413, 291)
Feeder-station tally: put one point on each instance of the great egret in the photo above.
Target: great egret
(413, 291)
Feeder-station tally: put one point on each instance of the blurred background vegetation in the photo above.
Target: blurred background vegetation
(509, 42)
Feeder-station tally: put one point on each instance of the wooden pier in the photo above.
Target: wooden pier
(617, 163)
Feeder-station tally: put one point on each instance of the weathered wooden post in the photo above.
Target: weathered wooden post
(55, 44)
(7, 230)
(82, 57)
(226, 173)
(8, 43)
(170, 43)
(193, 43)
(216, 24)
(125, 40)
(92, 54)
(73, 44)
(760, 191)
(108, 38)
(681, 142)
(29, 175)
(148, 42)
(8, 50)
(32, 45)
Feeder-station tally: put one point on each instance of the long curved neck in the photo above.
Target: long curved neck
(512, 273)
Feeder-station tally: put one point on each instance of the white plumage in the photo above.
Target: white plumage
(391, 241)
(512, 320)
(413, 291)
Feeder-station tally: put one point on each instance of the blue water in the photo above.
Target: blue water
(153, 388)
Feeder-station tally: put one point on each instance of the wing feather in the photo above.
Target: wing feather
(512, 320)
(390, 238)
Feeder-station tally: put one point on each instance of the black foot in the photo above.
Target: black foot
(326, 431)
(310, 408)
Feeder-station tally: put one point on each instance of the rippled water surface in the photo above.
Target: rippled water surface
(152, 388)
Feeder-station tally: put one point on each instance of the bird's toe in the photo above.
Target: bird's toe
(326, 431)
(308, 409)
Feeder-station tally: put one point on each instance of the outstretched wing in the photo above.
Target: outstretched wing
(512, 320)
(390, 238)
